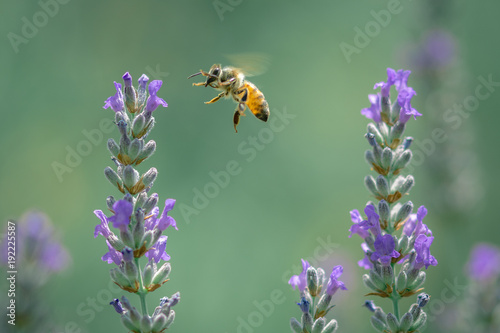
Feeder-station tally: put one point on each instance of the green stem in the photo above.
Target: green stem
(396, 306)
(142, 292)
(395, 296)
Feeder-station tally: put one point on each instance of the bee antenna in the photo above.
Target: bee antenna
(190, 76)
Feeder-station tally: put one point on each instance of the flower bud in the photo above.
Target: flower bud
(110, 201)
(159, 322)
(415, 311)
(147, 240)
(130, 176)
(402, 160)
(371, 128)
(149, 177)
(407, 142)
(138, 231)
(373, 281)
(150, 203)
(142, 90)
(407, 185)
(312, 281)
(128, 254)
(419, 322)
(121, 117)
(119, 277)
(127, 238)
(378, 324)
(113, 178)
(175, 299)
(386, 159)
(383, 210)
(138, 125)
(146, 323)
(130, 94)
(322, 307)
(370, 158)
(295, 325)
(140, 200)
(127, 322)
(402, 244)
(406, 322)
(382, 186)
(318, 325)
(392, 322)
(162, 274)
(384, 130)
(135, 149)
(371, 139)
(321, 278)
(387, 274)
(331, 327)
(418, 281)
(401, 281)
(370, 185)
(113, 147)
(307, 321)
(148, 272)
(404, 211)
(397, 131)
(423, 299)
(170, 319)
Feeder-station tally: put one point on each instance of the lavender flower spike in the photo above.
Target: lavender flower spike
(396, 242)
(140, 230)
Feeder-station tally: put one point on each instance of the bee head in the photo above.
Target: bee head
(214, 73)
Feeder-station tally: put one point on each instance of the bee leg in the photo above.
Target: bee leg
(236, 119)
(215, 99)
(228, 82)
(199, 84)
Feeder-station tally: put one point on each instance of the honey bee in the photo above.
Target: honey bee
(231, 81)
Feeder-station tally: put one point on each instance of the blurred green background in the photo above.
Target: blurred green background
(297, 191)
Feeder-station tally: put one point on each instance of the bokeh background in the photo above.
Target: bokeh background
(295, 194)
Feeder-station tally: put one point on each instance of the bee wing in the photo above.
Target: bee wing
(251, 64)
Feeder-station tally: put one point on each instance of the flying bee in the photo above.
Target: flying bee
(231, 81)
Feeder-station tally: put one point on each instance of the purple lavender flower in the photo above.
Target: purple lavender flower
(35, 231)
(357, 228)
(103, 227)
(123, 209)
(415, 226)
(153, 100)
(333, 283)
(373, 112)
(143, 81)
(404, 100)
(127, 79)
(401, 80)
(424, 257)
(166, 221)
(157, 251)
(300, 280)
(386, 86)
(365, 262)
(484, 262)
(372, 222)
(115, 101)
(385, 249)
(117, 305)
(112, 256)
